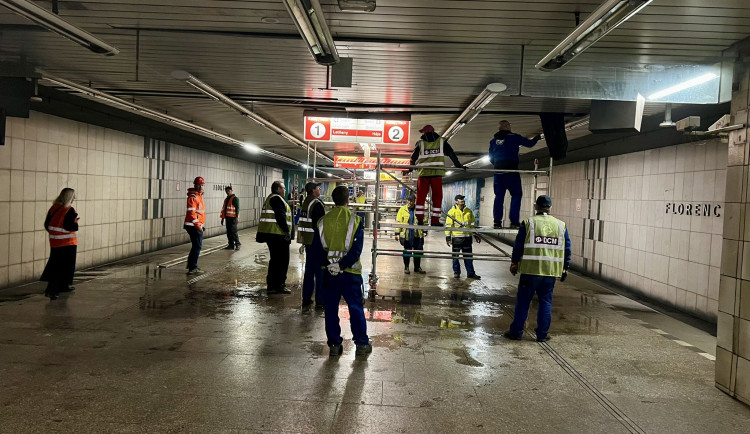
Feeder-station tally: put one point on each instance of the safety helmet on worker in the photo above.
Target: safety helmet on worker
(199, 181)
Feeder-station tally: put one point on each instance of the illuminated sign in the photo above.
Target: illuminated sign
(357, 162)
(378, 131)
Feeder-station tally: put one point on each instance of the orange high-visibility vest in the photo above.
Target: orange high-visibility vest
(228, 209)
(58, 236)
(196, 209)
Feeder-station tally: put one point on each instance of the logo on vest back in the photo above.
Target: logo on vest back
(431, 151)
(547, 240)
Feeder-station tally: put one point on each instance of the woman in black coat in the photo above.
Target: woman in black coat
(61, 224)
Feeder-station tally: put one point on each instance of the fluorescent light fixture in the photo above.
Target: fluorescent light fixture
(218, 96)
(250, 147)
(472, 111)
(309, 19)
(449, 173)
(486, 159)
(162, 117)
(603, 20)
(357, 5)
(54, 23)
(684, 85)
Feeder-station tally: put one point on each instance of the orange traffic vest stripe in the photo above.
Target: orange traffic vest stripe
(58, 236)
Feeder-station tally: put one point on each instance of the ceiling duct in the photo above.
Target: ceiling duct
(54, 23)
(308, 17)
(603, 20)
(668, 123)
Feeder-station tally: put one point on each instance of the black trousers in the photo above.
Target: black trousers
(232, 237)
(279, 262)
(58, 273)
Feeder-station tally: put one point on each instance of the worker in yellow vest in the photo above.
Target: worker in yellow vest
(461, 216)
(429, 156)
(361, 198)
(231, 213)
(275, 229)
(411, 239)
(311, 211)
(542, 254)
(339, 239)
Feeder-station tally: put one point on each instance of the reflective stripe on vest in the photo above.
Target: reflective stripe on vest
(228, 210)
(267, 223)
(544, 248)
(431, 159)
(305, 229)
(334, 239)
(58, 236)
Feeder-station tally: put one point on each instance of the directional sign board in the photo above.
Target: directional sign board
(359, 162)
(378, 131)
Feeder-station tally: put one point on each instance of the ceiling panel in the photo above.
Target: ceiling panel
(426, 57)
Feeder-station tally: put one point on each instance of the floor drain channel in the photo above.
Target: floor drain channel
(593, 391)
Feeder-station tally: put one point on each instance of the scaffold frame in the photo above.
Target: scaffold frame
(478, 231)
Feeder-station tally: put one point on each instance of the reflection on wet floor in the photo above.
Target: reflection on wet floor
(237, 358)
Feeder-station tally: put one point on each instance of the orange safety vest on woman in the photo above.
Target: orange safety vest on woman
(228, 210)
(196, 209)
(58, 236)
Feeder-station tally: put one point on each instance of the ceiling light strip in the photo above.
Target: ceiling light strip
(54, 23)
(472, 111)
(218, 96)
(311, 24)
(603, 20)
(113, 100)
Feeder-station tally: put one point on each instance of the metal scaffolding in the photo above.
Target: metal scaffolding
(502, 255)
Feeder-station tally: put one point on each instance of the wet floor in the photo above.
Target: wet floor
(143, 348)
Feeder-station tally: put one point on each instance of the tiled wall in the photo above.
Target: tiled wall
(131, 191)
(733, 325)
(629, 229)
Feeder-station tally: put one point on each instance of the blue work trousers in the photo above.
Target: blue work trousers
(413, 244)
(462, 245)
(196, 239)
(349, 286)
(507, 182)
(313, 279)
(529, 285)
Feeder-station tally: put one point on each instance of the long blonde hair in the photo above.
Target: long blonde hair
(66, 197)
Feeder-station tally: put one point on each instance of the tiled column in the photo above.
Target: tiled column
(733, 340)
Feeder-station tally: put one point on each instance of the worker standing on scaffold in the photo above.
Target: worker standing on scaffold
(429, 155)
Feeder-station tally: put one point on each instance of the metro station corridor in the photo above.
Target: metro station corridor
(138, 348)
(602, 145)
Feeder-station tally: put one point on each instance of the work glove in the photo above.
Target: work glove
(302, 249)
(564, 276)
(334, 269)
(401, 240)
(478, 239)
(514, 268)
(448, 241)
(287, 237)
(222, 222)
(200, 228)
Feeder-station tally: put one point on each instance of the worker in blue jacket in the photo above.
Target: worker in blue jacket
(504, 155)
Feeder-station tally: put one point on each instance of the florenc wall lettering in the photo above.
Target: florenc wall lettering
(694, 209)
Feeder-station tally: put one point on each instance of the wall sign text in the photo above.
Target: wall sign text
(694, 209)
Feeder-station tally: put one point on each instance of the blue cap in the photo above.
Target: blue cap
(543, 201)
